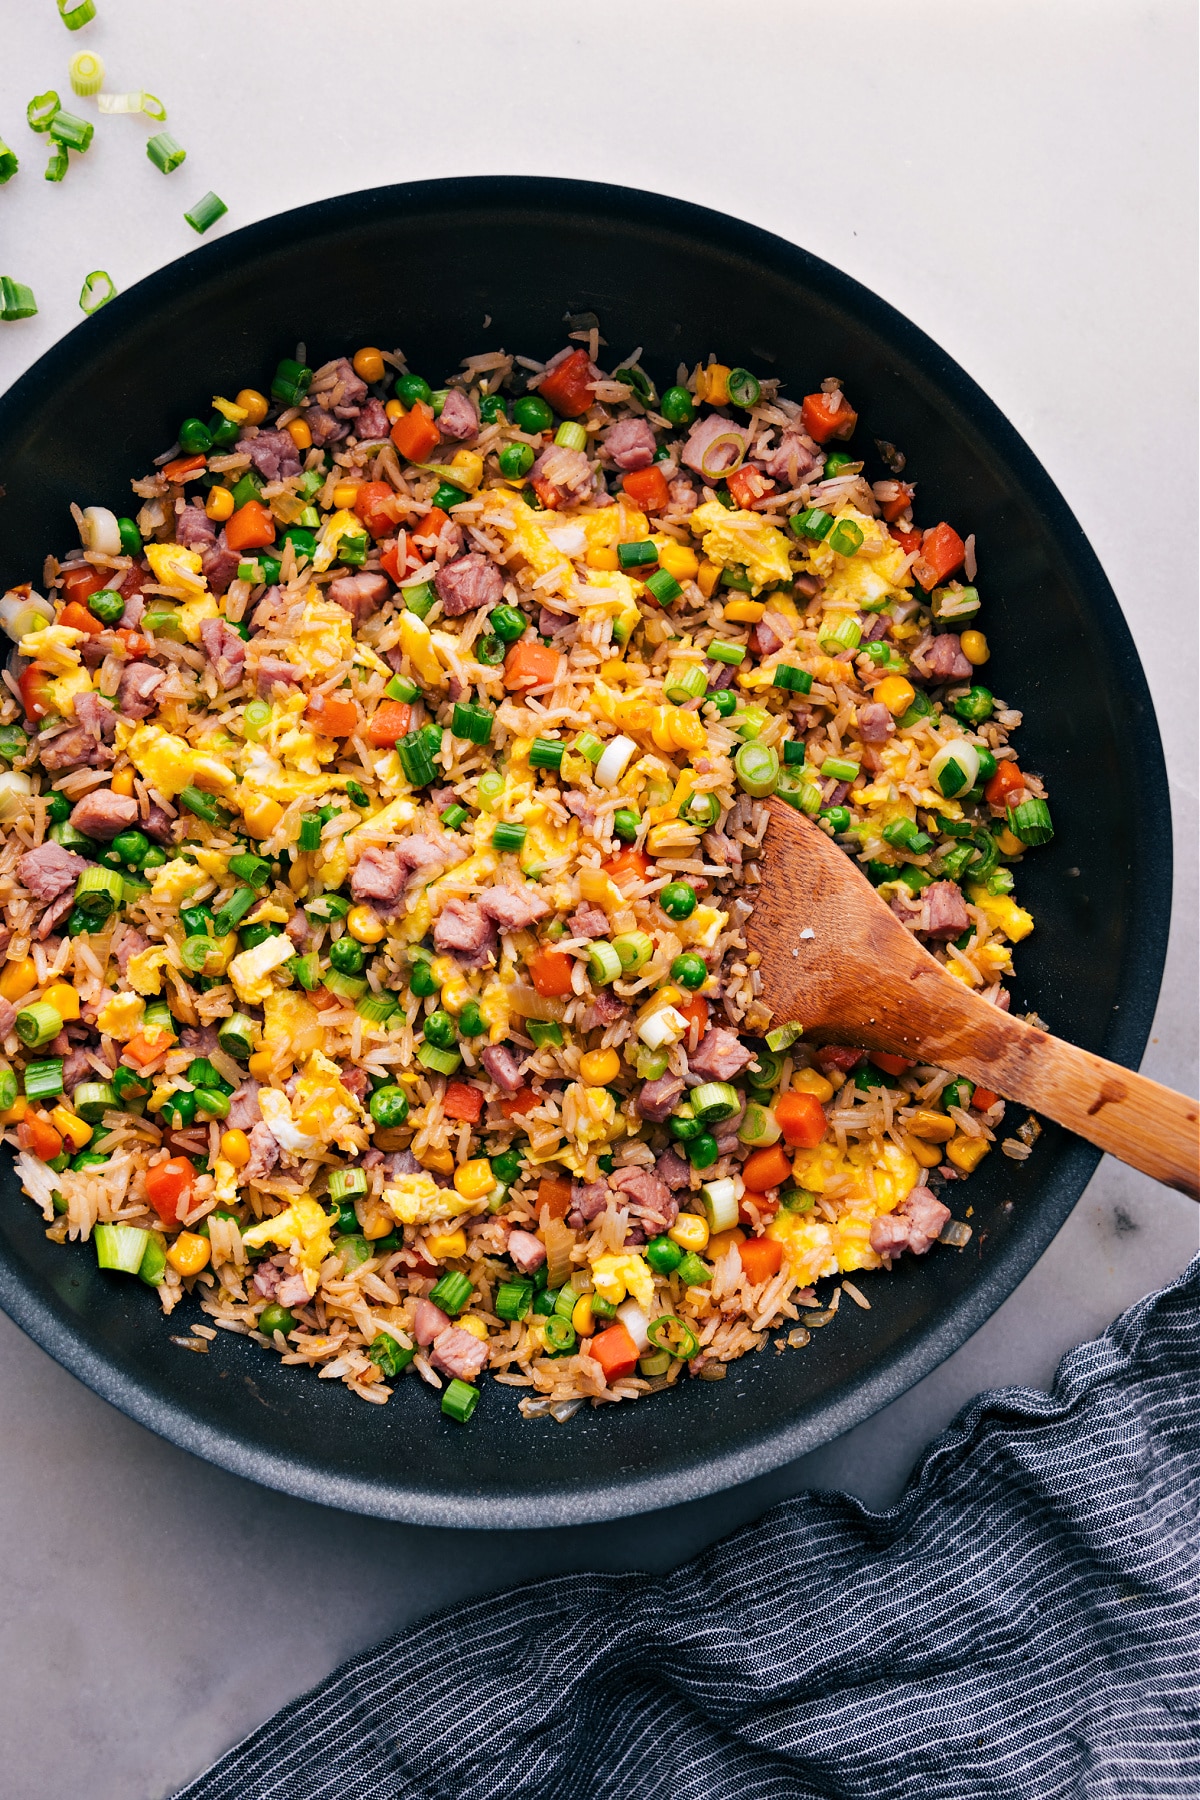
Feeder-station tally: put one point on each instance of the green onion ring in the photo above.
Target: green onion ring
(98, 289)
(686, 1342)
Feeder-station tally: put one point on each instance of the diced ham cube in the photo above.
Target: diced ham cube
(719, 1056)
(459, 1354)
(526, 1251)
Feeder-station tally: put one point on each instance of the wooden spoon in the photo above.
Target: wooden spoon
(837, 960)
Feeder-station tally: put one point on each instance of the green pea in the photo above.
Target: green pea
(677, 406)
(689, 970)
(491, 408)
(106, 605)
(532, 414)
(155, 858)
(515, 461)
(724, 701)
(703, 1151)
(976, 705)
(422, 980)
(389, 1107)
(252, 935)
(58, 809)
(347, 956)
(440, 1031)
(195, 438)
(678, 900)
(471, 1021)
(276, 1318)
(179, 1111)
(131, 847)
(625, 824)
(411, 388)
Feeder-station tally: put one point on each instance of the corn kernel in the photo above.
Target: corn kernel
(679, 560)
(301, 436)
(122, 782)
(253, 404)
(63, 999)
(1007, 843)
(896, 694)
(443, 969)
(468, 468)
(262, 1065)
(394, 411)
(975, 648)
(966, 1153)
(600, 889)
(599, 1067)
(474, 1325)
(602, 557)
(811, 1081)
(455, 995)
(581, 1316)
(707, 577)
(724, 1240)
(368, 364)
(744, 612)
(235, 1148)
(377, 1220)
(927, 1155)
(712, 384)
(345, 494)
(364, 924)
(219, 504)
(689, 1231)
(440, 1161)
(447, 1245)
(261, 814)
(189, 1253)
(473, 1180)
(72, 1129)
(934, 1127)
(18, 979)
(13, 1114)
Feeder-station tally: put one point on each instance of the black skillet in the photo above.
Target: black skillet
(445, 269)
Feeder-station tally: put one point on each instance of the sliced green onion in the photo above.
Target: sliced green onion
(922, 708)
(153, 1266)
(211, 1104)
(8, 163)
(166, 154)
(451, 1292)
(255, 870)
(234, 909)
(76, 13)
(571, 435)
(206, 212)
(904, 834)
(701, 810)
(41, 110)
(98, 289)
(662, 587)
(376, 1009)
(589, 745)
(86, 72)
(512, 1300)
(120, 1247)
(346, 987)
(722, 652)
(416, 759)
(509, 837)
(846, 537)
(636, 556)
(955, 768)
(472, 722)
(954, 603)
(140, 102)
(203, 806)
(759, 1126)
(38, 1024)
(98, 893)
(442, 1062)
(236, 1036)
(750, 722)
(345, 1183)
(839, 768)
(720, 1203)
(637, 379)
(812, 523)
(685, 681)
(795, 681)
(43, 1080)
(634, 948)
(306, 970)
(71, 132)
(16, 300)
(1031, 822)
(544, 1031)
(558, 1334)
(489, 789)
(460, 1400)
(713, 1101)
(784, 1036)
(454, 816)
(671, 1335)
(693, 1270)
(845, 635)
(745, 390)
(757, 769)
(546, 753)
(797, 1200)
(604, 963)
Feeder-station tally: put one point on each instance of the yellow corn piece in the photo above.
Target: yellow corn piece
(602, 556)
(344, 495)
(261, 815)
(73, 1130)
(299, 433)
(707, 577)
(581, 1316)
(455, 994)
(743, 612)
(18, 979)
(441, 1161)
(467, 466)
(600, 889)
(966, 1153)
(689, 1231)
(599, 1067)
(933, 1127)
(235, 1148)
(896, 694)
(447, 1245)
(189, 1253)
(678, 560)
(975, 648)
(219, 504)
(394, 411)
(928, 1155)
(811, 1081)
(63, 999)
(122, 782)
(13, 1114)
(473, 1180)
(253, 405)
(475, 1325)
(417, 644)
(712, 384)
(377, 1220)
(262, 1066)
(368, 364)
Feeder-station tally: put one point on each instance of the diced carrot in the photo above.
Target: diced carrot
(891, 1065)
(432, 524)
(388, 724)
(145, 1047)
(462, 1101)
(416, 435)
(530, 665)
(693, 1008)
(550, 496)
(81, 583)
(36, 1134)
(523, 1101)
(896, 507)
(377, 507)
(135, 642)
(184, 467)
(333, 714)
(942, 551)
(389, 562)
(801, 1118)
(983, 1098)
(80, 619)
(168, 1186)
(648, 488)
(760, 1258)
(615, 1351)
(250, 528)
(909, 541)
(823, 420)
(765, 1169)
(749, 484)
(550, 972)
(34, 684)
(554, 1193)
(628, 867)
(1007, 779)
(568, 388)
(839, 1056)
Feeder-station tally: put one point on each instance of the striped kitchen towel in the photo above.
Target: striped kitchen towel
(1024, 1624)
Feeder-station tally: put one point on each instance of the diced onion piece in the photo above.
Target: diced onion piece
(636, 1322)
(955, 768)
(662, 1028)
(21, 614)
(708, 468)
(720, 1204)
(559, 1240)
(614, 761)
(98, 529)
(759, 1126)
(15, 789)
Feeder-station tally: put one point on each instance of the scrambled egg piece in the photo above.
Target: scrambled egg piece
(588, 1114)
(740, 540)
(416, 642)
(815, 1247)
(251, 972)
(176, 569)
(291, 1018)
(607, 526)
(704, 927)
(417, 1199)
(53, 648)
(170, 764)
(143, 970)
(121, 1017)
(174, 882)
(263, 773)
(616, 1276)
(335, 529)
(1001, 912)
(494, 1009)
(65, 688)
(302, 1227)
(193, 613)
(324, 637)
(870, 575)
(225, 1183)
(321, 1111)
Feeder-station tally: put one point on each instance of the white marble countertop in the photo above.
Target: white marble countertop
(1018, 179)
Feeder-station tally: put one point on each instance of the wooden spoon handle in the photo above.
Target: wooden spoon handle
(1146, 1125)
